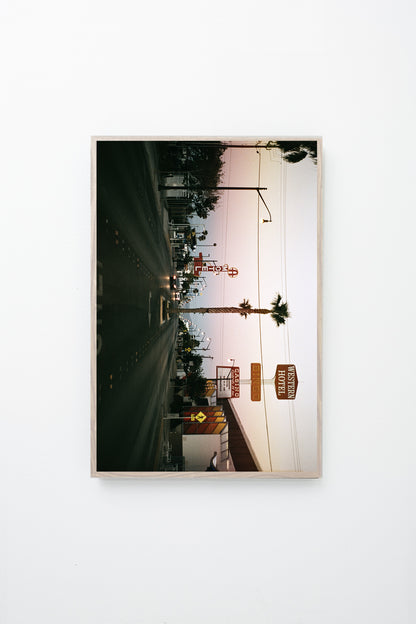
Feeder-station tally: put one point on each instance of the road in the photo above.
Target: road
(135, 347)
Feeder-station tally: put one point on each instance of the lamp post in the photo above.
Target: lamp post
(265, 220)
(233, 365)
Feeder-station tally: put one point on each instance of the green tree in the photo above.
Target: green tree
(203, 161)
(182, 262)
(196, 384)
(202, 202)
(279, 311)
(201, 165)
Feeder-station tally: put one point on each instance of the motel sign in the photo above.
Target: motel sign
(286, 381)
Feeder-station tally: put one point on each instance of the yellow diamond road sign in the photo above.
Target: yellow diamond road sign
(200, 417)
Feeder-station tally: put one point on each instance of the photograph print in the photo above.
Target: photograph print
(206, 337)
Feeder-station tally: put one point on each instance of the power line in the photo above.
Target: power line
(225, 243)
(259, 320)
(284, 290)
(292, 414)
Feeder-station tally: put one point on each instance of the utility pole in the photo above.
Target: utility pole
(192, 187)
(213, 144)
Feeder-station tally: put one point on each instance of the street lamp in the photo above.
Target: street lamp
(265, 220)
(189, 187)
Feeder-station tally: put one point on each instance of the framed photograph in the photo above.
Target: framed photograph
(206, 307)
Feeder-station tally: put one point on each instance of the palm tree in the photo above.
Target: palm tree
(279, 311)
(295, 151)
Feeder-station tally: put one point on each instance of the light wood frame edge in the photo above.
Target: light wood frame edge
(93, 365)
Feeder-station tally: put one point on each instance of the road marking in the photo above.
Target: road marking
(150, 313)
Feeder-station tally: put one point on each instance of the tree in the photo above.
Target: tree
(202, 202)
(196, 385)
(182, 262)
(279, 311)
(295, 151)
(203, 235)
(201, 165)
(204, 162)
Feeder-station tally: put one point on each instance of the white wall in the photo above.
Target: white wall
(340, 549)
(198, 450)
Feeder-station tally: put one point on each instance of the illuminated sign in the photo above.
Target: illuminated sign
(205, 267)
(210, 388)
(228, 382)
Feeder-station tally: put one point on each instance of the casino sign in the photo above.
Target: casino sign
(201, 266)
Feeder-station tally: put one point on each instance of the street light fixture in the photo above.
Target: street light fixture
(265, 220)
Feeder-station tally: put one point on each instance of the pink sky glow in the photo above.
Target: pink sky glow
(283, 253)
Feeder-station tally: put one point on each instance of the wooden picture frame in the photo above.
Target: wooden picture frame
(150, 257)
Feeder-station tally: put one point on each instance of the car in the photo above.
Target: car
(173, 282)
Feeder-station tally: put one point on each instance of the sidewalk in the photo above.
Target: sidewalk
(163, 438)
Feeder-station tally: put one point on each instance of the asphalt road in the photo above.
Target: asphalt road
(135, 347)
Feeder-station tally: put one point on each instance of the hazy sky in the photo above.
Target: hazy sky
(283, 253)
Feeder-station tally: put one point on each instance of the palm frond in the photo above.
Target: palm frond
(245, 305)
(279, 311)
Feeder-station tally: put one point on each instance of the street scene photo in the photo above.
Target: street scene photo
(206, 306)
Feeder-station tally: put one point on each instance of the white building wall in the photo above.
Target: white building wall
(198, 450)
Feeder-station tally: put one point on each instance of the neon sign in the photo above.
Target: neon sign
(204, 267)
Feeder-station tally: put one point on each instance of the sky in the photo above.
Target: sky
(277, 257)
